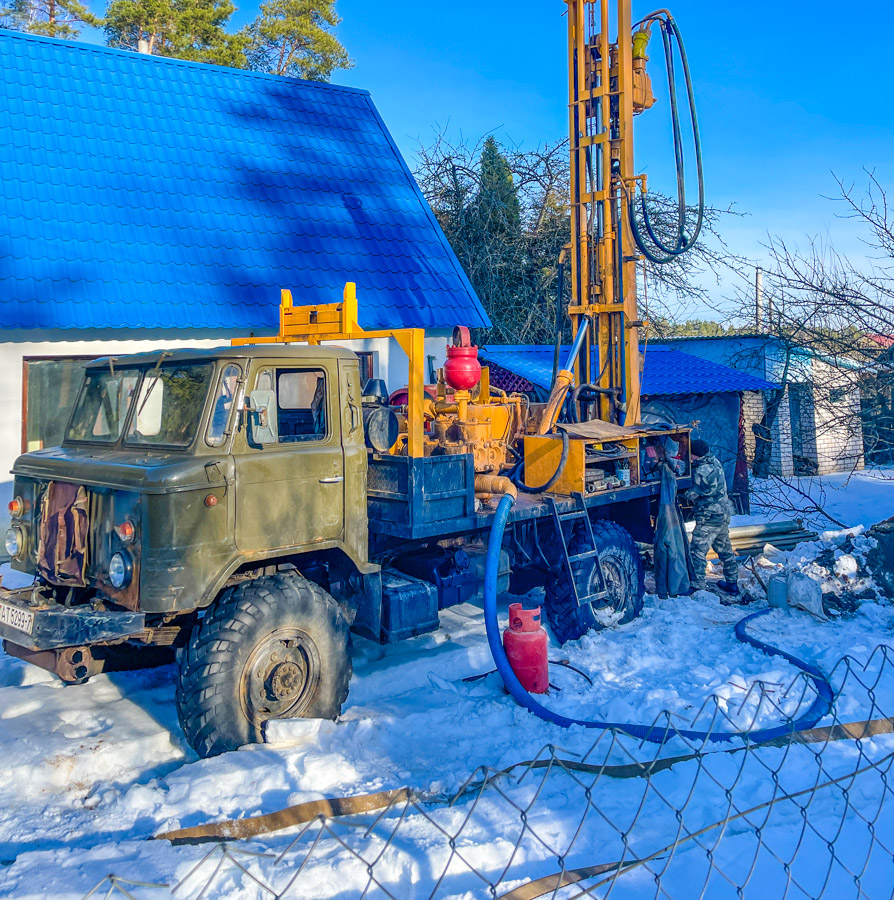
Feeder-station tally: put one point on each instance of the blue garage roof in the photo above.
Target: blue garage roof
(139, 192)
(666, 372)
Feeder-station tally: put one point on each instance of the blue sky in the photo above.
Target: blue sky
(787, 94)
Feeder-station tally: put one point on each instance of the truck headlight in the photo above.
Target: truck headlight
(15, 542)
(120, 570)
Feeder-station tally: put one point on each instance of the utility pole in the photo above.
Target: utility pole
(759, 299)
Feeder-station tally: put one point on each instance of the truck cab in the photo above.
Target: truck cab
(195, 465)
(194, 478)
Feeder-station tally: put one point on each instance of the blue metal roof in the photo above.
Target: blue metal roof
(139, 192)
(666, 372)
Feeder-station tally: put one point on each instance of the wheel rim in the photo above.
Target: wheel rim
(280, 677)
(614, 583)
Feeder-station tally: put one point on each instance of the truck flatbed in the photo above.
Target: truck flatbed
(417, 499)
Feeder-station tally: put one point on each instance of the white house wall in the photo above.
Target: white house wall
(390, 361)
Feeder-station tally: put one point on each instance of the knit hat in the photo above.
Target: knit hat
(700, 448)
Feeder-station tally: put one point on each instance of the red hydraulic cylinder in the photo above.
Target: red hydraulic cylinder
(525, 643)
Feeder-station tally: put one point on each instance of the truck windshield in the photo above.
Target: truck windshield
(101, 408)
(169, 405)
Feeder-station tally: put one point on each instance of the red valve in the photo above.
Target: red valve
(462, 371)
(525, 642)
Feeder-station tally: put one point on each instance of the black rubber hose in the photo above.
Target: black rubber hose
(658, 251)
(574, 414)
(517, 472)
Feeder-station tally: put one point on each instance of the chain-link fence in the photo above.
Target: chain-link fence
(808, 815)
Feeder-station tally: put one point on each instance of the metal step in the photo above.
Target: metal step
(579, 512)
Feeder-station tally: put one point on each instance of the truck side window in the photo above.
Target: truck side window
(301, 404)
(223, 405)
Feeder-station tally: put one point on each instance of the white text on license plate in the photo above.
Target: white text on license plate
(20, 619)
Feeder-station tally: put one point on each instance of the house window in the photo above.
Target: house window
(50, 387)
(367, 366)
(836, 395)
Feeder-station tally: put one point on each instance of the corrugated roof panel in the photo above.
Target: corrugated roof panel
(149, 193)
(666, 372)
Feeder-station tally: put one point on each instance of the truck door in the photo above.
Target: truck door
(354, 445)
(290, 491)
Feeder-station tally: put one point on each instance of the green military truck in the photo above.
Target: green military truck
(225, 504)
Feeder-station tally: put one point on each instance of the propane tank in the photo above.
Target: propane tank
(525, 644)
(462, 371)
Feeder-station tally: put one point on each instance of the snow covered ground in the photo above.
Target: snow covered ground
(860, 498)
(90, 772)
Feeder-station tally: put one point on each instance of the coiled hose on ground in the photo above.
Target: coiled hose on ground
(655, 734)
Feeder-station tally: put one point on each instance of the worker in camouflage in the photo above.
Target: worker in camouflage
(710, 505)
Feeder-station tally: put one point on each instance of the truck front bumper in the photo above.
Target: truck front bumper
(48, 626)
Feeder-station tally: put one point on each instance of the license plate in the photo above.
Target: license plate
(20, 619)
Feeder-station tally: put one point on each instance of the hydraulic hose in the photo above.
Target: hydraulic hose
(592, 389)
(563, 459)
(655, 734)
(655, 249)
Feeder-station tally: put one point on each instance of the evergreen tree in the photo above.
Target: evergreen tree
(498, 203)
(51, 18)
(185, 29)
(295, 37)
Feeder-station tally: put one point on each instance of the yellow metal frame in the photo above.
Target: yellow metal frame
(600, 93)
(338, 322)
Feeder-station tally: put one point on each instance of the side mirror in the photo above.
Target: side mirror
(262, 415)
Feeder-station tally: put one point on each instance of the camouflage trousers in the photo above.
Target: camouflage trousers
(708, 535)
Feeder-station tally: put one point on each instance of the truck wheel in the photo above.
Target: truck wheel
(623, 570)
(273, 648)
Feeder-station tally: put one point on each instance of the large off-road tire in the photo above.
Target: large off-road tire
(623, 570)
(272, 648)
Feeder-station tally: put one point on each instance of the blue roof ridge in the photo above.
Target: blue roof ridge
(430, 214)
(170, 60)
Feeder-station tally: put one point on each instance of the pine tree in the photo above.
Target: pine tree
(185, 29)
(294, 37)
(51, 18)
(497, 197)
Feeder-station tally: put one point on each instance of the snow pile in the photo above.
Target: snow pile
(839, 562)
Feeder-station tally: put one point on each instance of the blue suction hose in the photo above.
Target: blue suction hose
(655, 734)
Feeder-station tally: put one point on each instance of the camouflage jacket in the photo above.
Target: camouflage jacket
(710, 502)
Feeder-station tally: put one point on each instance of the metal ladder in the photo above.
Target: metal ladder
(579, 512)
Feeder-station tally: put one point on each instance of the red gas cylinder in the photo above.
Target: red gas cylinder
(525, 644)
(462, 371)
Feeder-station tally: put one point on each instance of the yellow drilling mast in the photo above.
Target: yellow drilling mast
(608, 86)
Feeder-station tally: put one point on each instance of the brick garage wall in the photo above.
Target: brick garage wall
(754, 405)
(781, 455)
(752, 410)
(803, 417)
(837, 424)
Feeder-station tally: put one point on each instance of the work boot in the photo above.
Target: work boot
(729, 587)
